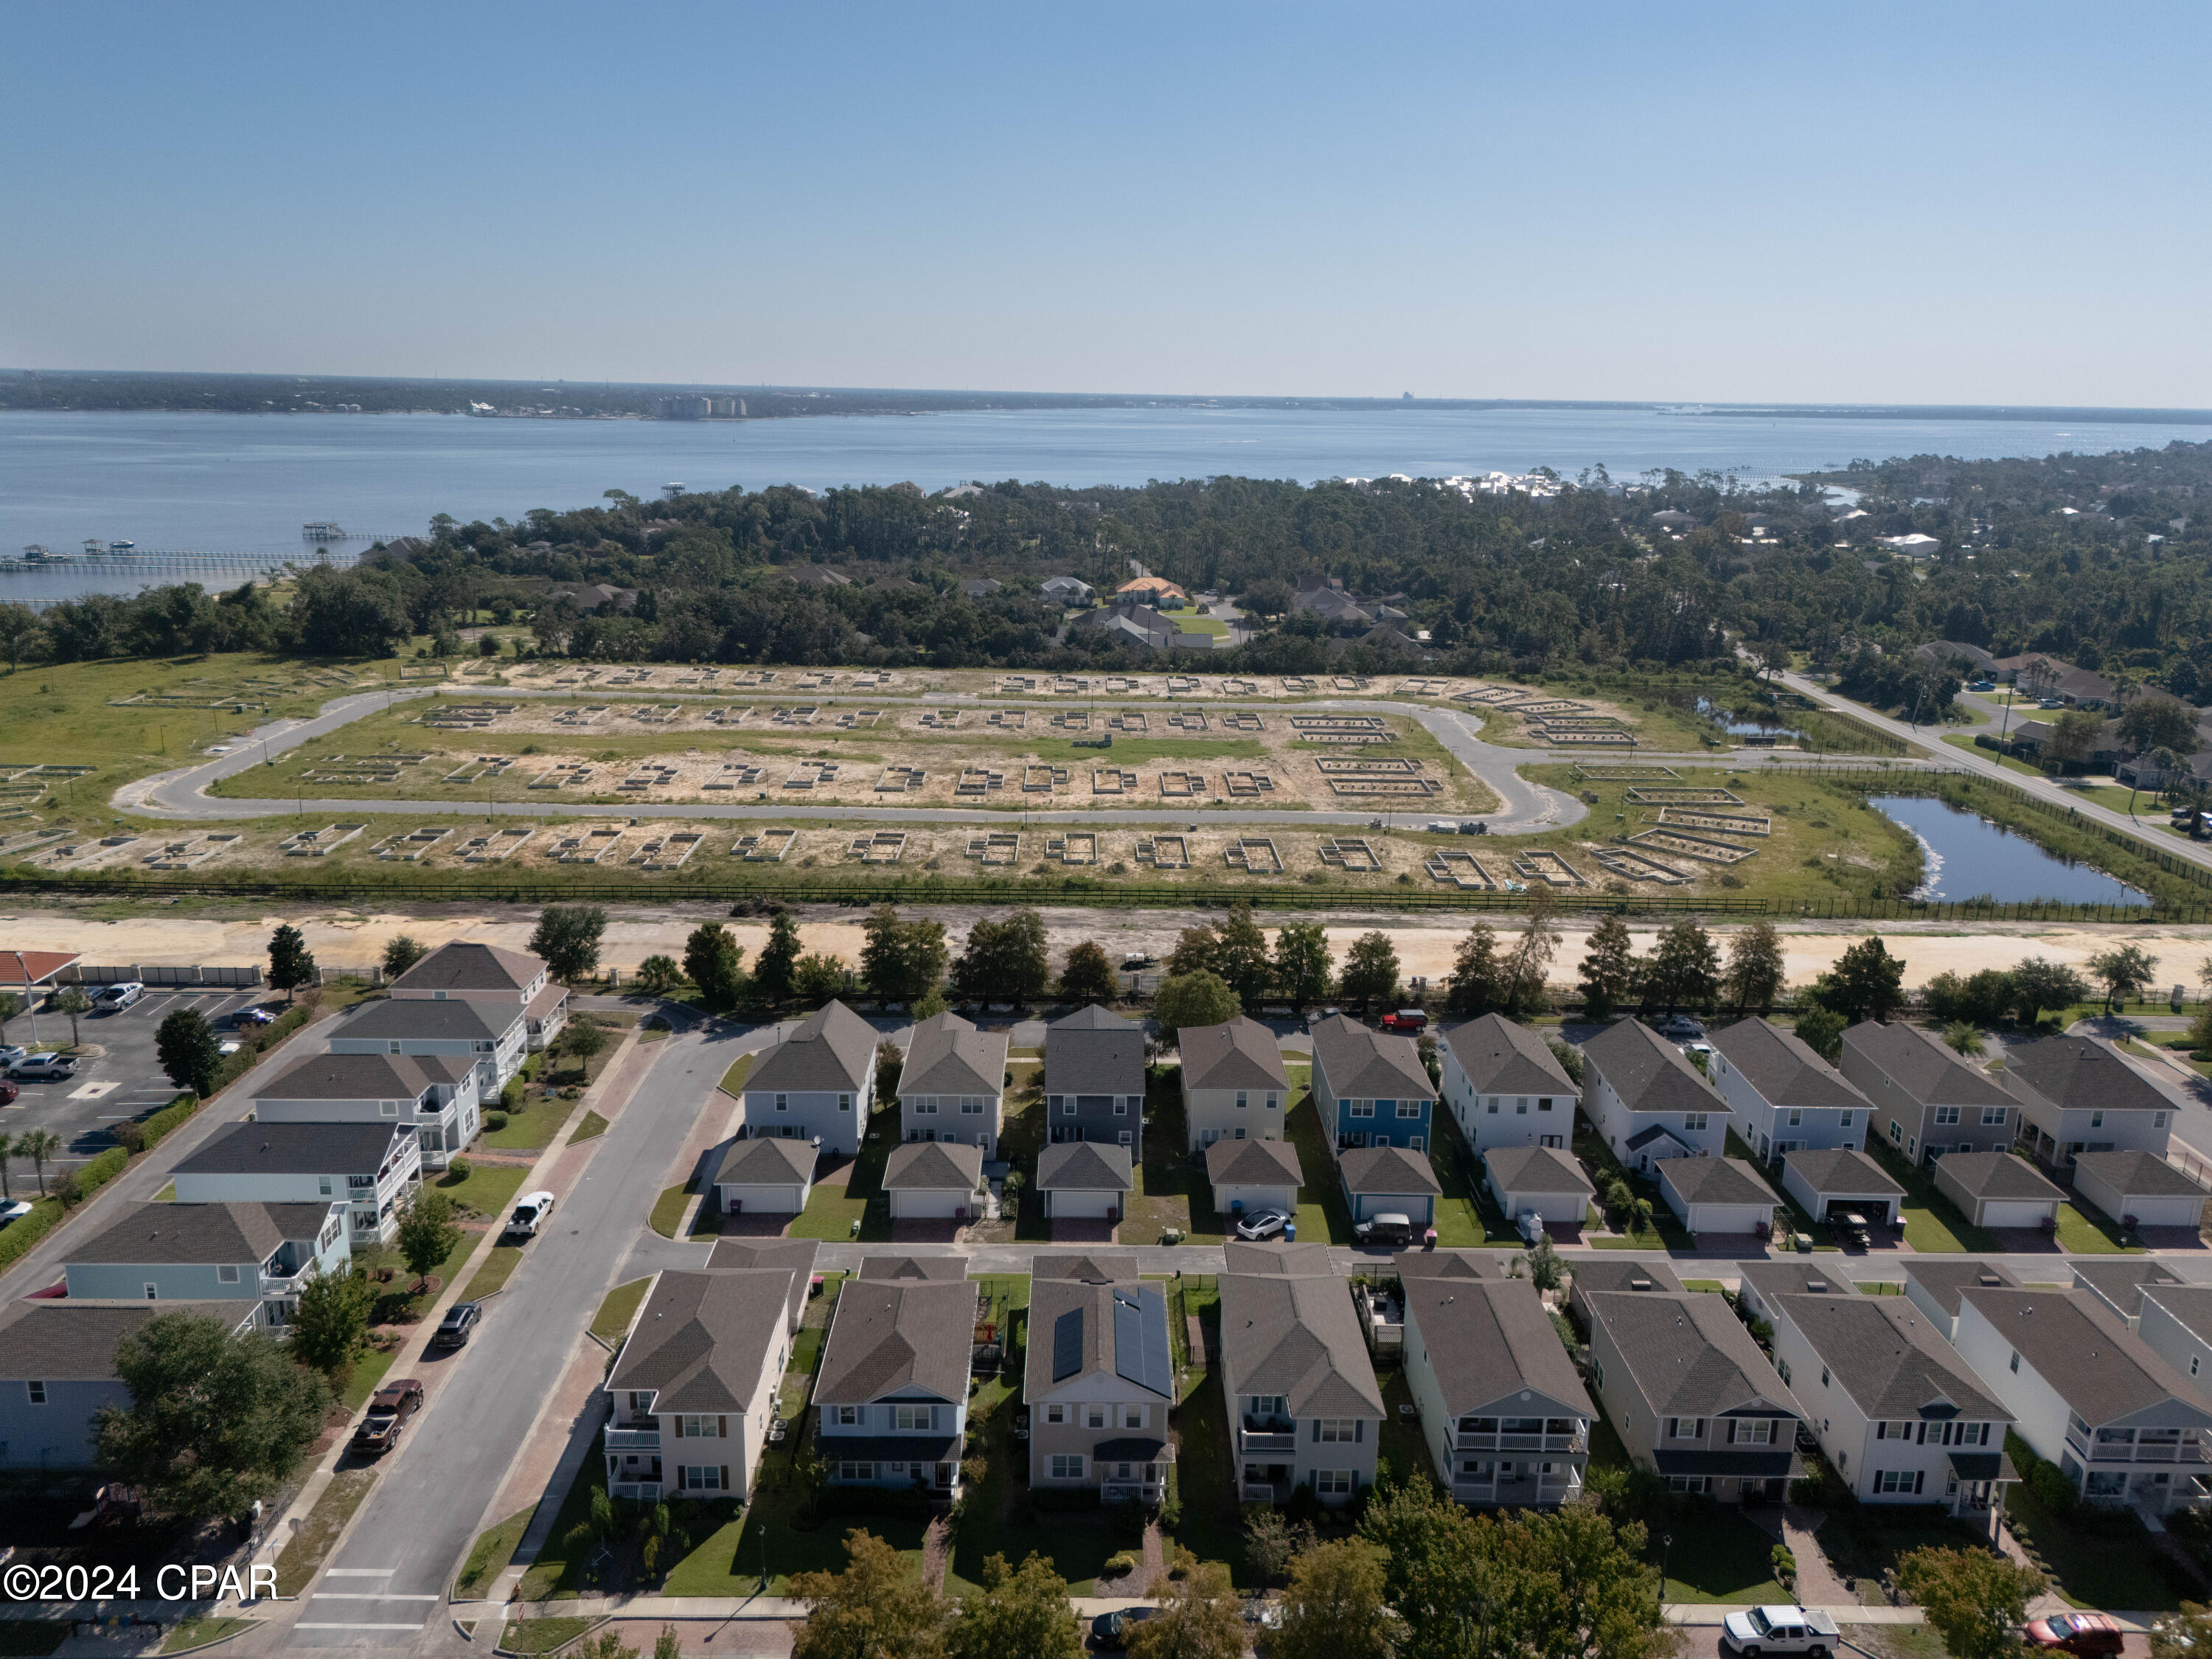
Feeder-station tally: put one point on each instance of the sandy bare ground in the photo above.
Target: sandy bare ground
(355, 939)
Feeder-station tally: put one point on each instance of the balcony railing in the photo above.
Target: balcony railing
(647, 1492)
(1576, 1442)
(2111, 1451)
(632, 1440)
(1520, 1489)
(1250, 1441)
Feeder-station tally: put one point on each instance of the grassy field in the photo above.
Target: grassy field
(303, 1556)
(368, 1377)
(2097, 1562)
(1932, 1222)
(668, 1210)
(834, 1206)
(488, 1189)
(591, 1129)
(1322, 1212)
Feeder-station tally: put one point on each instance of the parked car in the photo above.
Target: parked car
(44, 1069)
(1262, 1224)
(454, 1329)
(2091, 1635)
(1411, 1021)
(1529, 1225)
(530, 1212)
(388, 1412)
(253, 1016)
(10, 1056)
(1852, 1227)
(1780, 1629)
(1111, 1629)
(1682, 1028)
(14, 1209)
(114, 998)
(1394, 1229)
(1472, 827)
(9, 1092)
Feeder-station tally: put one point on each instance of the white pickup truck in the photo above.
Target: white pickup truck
(1780, 1629)
(530, 1211)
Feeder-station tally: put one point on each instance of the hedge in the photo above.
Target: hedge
(169, 1117)
(236, 1066)
(47, 1214)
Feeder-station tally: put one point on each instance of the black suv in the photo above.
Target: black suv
(454, 1329)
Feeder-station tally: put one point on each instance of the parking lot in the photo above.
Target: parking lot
(121, 1081)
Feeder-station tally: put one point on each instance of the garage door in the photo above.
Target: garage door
(1256, 1198)
(763, 1201)
(2013, 1213)
(1077, 1205)
(2166, 1211)
(1569, 1207)
(1728, 1218)
(930, 1205)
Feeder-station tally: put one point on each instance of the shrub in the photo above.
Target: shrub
(1784, 1563)
(494, 1122)
(973, 1469)
(511, 1095)
(131, 1137)
(1129, 1516)
(17, 1238)
(1120, 1562)
(456, 1171)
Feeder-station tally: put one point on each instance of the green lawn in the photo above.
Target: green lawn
(303, 1556)
(1666, 1232)
(489, 1558)
(1212, 1526)
(592, 1126)
(542, 1635)
(553, 1570)
(533, 1130)
(668, 1210)
(612, 1320)
(368, 1377)
(1322, 1213)
(491, 1278)
(488, 1189)
(199, 1632)
(1466, 1214)
(1200, 625)
(2097, 1562)
(1932, 1222)
(1717, 1556)
(833, 1207)
(1400, 1437)
(733, 1080)
(2084, 1232)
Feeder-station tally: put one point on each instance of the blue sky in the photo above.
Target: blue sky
(1925, 203)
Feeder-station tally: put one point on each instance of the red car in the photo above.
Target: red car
(1411, 1021)
(9, 1092)
(394, 1403)
(2091, 1635)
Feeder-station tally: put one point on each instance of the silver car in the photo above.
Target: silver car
(44, 1069)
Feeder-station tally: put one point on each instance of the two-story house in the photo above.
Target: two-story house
(1371, 1086)
(817, 1084)
(1926, 1100)
(953, 1086)
(1937, 1285)
(1304, 1408)
(1506, 1087)
(435, 1095)
(1501, 1405)
(1099, 1384)
(1234, 1084)
(1094, 1080)
(372, 1166)
(2120, 1282)
(1785, 1097)
(1764, 1282)
(1646, 1101)
(2076, 1095)
(891, 1396)
(261, 1255)
(58, 1372)
(1691, 1394)
(2087, 1395)
(466, 972)
(1897, 1410)
(493, 1037)
(693, 1390)
(1603, 1274)
(795, 1256)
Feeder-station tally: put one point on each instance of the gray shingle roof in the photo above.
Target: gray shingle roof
(1253, 1163)
(1083, 1328)
(900, 1338)
(75, 1342)
(1792, 1276)
(2076, 1074)
(1688, 1354)
(1923, 1067)
(457, 1019)
(1291, 1261)
(1996, 1174)
(1489, 1339)
(703, 1338)
(766, 1161)
(1365, 1064)
(1300, 1337)
(1386, 1169)
(1240, 1055)
(1502, 1057)
(1946, 1280)
(1715, 1180)
(1083, 1166)
(2122, 1282)
(1438, 1264)
(1596, 1275)
(1100, 1265)
(913, 1266)
(216, 1233)
(2137, 1174)
(1536, 1170)
(320, 1149)
(795, 1256)
(364, 1077)
(1784, 1070)
(933, 1166)
(2084, 1352)
(829, 1053)
(1094, 1052)
(950, 1056)
(463, 966)
(1842, 1170)
(1649, 1072)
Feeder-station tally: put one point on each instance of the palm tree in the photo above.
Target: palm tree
(38, 1146)
(76, 1004)
(1964, 1039)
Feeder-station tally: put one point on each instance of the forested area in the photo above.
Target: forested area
(2101, 561)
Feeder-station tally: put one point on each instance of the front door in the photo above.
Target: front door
(1551, 1140)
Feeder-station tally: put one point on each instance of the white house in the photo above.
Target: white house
(1785, 1097)
(1763, 1282)
(1543, 1179)
(1646, 1101)
(1248, 1176)
(2176, 1325)
(1304, 1407)
(436, 1095)
(1505, 1086)
(765, 1177)
(1841, 1179)
(693, 1390)
(1084, 1180)
(818, 1084)
(500, 978)
(1995, 1189)
(2138, 1188)
(953, 1086)
(2090, 1397)
(1936, 1285)
(493, 1036)
(795, 1256)
(1718, 1195)
(2121, 1282)
(935, 1181)
(372, 1167)
(1235, 1086)
(1897, 1410)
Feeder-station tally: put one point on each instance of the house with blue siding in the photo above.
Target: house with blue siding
(1371, 1086)
(58, 1370)
(892, 1392)
(258, 1254)
(817, 1084)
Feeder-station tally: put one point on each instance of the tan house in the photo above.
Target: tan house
(1099, 1383)
(1304, 1407)
(694, 1388)
(1233, 1085)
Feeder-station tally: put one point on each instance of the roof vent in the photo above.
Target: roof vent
(1990, 1279)
(1816, 1286)
(1639, 1284)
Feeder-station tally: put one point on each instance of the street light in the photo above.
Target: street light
(1666, 1544)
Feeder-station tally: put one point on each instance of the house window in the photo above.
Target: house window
(1124, 1138)
(1946, 1115)
(1121, 1107)
(1094, 1417)
(2195, 1360)
(1844, 1122)
(2096, 1120)
(1690, 1483)
(322, 1185)
(1896, 1134)
(1597, 1373)
(1067, 1466)
(1055, 1414)
(1335, 1430)
(1685, 1428)
(1363, 1108)
(1409, 1108)
(1752, 1431)
(227, 1273)
(909, 1417)
(971, 1105)
(1242, 1100)
(924, 1105)
(699, 1478)
(1892, 1430)
(1521, 1106)
(1899, 1481)
(783, 1102)
(2015, 1359)
(1066, 1105)
(1274, 1103)
(694, 1427)
(388, 1108)
(1490, 1105)
(844, 1102)
(1333, 1483)
(849, 1417)
(38, 1393)
(1824, 1376)
(1797, 1118)
(856, 1471)
(1993, 1117)
(1694, 1122)
(1133, 1417)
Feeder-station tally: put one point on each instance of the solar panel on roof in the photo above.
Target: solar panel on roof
(1140, 1340)
(1067, 1344)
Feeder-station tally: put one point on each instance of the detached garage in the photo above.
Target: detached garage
(1390, 1181)
(1247, 1175)
(1841, 1179)
(1996, 1189)
(1084, 1180)
(2139, 1188)
(1544, 1179)
(935, 1180)
(1716, 1194)
(765, 1177)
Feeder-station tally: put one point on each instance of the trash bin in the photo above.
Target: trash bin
(1290, 1232)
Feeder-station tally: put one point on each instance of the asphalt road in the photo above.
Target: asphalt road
(388, 1580)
